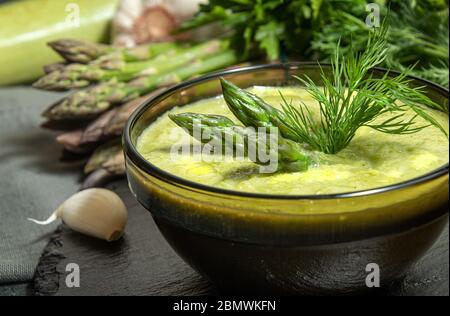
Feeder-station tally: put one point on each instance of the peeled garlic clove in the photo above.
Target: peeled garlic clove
(98, 213)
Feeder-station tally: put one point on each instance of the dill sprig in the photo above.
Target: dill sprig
(353, 97)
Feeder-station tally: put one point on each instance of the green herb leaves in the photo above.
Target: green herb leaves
(418, 35)
(353, 97)
(267, 35)
(264, 25)
(311, 29)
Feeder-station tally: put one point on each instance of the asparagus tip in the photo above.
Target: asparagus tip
(228, 88)
(223, 82)
(75, 50)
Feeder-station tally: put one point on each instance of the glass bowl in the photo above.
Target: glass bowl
(262, 243)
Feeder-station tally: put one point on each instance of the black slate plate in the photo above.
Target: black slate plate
(144, 264)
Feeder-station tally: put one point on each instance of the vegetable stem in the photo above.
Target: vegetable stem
(98, 99)
(79, 75)
(76, 51)
(221, 132)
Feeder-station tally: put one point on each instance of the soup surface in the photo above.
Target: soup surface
(373, 159)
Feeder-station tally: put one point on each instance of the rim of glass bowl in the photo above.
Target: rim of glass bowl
(163, 175)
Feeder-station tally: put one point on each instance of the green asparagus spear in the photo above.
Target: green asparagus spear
(106, 163)
(186, 120)
(220, 131)
(80, 75)
(54, 67)
(253, 111)
(93, 101)
(85, 52)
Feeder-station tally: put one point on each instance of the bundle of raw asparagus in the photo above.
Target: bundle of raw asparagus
(115, 82)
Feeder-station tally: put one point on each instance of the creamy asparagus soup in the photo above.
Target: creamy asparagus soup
(372, 159)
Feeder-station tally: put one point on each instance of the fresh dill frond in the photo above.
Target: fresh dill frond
(418, 35)
(353, 97)
(436, 73)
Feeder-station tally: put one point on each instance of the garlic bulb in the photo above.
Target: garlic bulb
(126, 16)
(142, 21)
(98, 213)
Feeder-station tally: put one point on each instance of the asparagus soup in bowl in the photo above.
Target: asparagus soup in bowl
(312, 227)
(373, 159)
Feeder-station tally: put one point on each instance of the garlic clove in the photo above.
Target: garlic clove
(98, 213)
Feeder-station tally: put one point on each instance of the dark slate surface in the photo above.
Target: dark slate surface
(144, 264)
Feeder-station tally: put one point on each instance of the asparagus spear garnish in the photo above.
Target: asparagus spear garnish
(80, 75)
(96, 100)
(84, 52)
(221, 131)
(253, 111)
(187, 120)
